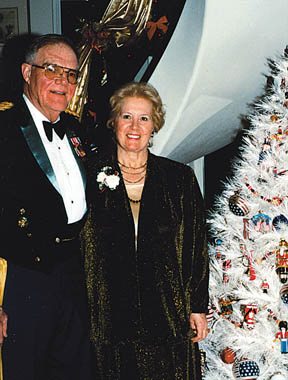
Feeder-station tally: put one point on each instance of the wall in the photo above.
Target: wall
(45, 16)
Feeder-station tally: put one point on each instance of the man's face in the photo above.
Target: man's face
(50, 96)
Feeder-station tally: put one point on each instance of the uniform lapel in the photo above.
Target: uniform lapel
(36, 146)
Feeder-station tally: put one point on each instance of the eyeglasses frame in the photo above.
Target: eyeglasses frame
(65, 70)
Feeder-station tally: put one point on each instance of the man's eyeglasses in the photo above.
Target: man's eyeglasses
(53, 71)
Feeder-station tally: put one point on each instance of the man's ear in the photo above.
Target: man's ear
(26, 72)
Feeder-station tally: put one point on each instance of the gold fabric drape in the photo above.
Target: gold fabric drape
(122, 22)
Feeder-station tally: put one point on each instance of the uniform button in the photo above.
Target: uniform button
(29, 235)
(57, 240)
(37, 259)
(22, 211)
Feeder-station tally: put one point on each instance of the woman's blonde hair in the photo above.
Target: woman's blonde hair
(138, 90)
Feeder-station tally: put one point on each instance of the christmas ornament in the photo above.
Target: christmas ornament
(261, 222)
(238, 205)
(228, 355)
(210, 316)
(246, 228)
(272, 316)
(278, 220)
(282, 261)
(275, 201)
(265, 286)
(284, 294)
(282, 335)
(277, 376)
(274, 118)
(226, 306)
(218, 243)
(152, 26)
(249, 312)
(248, 262)
(246, 369)
(226, 266)
(266, 147)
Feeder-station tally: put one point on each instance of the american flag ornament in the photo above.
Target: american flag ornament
(238, 205)
(245, 369)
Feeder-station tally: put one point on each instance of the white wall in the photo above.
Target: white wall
(212, 69)
(45, 16)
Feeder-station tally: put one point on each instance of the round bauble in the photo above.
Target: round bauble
(277, 376)
(284, 294)
(238, 205)
(278, 220)
(245, 369)
(228, 355)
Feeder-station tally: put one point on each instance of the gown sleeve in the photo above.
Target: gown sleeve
(195, 253)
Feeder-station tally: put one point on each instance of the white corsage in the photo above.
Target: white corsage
(108, 177)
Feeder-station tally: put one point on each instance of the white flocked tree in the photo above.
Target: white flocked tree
(248, 316)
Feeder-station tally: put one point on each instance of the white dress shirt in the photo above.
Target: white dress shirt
(65, 167)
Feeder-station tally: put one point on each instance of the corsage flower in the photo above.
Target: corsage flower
(108, 177)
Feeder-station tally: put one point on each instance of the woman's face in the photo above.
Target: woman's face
(134, 125)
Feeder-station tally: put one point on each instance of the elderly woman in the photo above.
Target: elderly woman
(145, 251)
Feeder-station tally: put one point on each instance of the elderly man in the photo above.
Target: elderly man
(42, 180)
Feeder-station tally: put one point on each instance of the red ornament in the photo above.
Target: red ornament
(250, 311)
(228, 355)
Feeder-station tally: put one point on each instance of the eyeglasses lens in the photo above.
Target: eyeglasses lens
(54, 71)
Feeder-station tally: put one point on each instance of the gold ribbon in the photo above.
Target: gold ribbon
(153, 26)
(121, 23)
(3, 273)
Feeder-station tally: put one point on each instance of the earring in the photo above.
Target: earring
(150, 142)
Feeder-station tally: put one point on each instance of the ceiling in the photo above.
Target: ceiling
(212, 68)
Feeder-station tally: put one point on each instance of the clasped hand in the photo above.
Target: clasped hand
(199, 326)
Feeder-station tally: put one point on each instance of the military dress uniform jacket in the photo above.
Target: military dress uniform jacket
(33, 219)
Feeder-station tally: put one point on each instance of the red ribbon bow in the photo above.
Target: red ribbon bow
(153, 26)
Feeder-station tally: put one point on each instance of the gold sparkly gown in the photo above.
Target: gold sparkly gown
(140, 299)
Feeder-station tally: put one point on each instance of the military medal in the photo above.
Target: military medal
(78, 146)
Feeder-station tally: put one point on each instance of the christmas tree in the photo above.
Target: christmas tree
(248, 315)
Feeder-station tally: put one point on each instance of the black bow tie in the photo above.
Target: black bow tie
(58, 128)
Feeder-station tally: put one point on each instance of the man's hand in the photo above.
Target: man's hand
(198, 323)
(3, 325)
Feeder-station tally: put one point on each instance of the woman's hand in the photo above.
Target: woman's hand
(199, 325)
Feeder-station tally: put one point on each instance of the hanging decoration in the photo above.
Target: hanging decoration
(152, 26)
(122, 22)
(282, 261)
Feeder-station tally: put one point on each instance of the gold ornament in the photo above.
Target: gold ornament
(274, 118)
